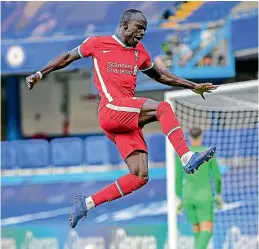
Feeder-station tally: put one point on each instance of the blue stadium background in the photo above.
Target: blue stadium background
(41, 175)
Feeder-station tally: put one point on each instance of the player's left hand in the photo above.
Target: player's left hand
(204, 88)
(219, 202)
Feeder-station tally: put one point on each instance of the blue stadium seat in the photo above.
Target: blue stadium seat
(8, 155)
(233, 142)
(156, 147)
(220, 138)
(239, 29)
(210, 11)
(113, 153)
(33, 153)
(67, 151)
(248, 145)
(100, 150)
(72, 18)
(95, 150)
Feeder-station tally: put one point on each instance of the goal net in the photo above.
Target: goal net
(229, 120)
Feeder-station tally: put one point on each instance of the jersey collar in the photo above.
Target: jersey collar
(115, 37)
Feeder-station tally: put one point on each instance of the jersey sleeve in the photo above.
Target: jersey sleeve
(86, 49)
(146, 61)
(216, 175)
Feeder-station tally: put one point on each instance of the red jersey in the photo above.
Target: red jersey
(115, 65)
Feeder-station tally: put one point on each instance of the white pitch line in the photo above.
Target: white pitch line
(62, 211)
(34, 216)
(230, 206)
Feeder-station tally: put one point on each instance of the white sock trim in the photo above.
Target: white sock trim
(172, 130)
(119, 188)
(89, 203)
(186, 157)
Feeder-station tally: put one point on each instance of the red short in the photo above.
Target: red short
(119, 120)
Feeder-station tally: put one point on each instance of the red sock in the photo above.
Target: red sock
(171, 128)
(123, 186)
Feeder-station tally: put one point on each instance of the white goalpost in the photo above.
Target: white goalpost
(229, 120)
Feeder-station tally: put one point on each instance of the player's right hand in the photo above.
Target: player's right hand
(32, 79)
(219, 202)
(179, 208)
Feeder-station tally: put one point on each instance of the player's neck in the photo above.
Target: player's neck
(121, 37)
(196, 143)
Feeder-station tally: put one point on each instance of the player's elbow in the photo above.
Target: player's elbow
(65, 59)
(163, 76)
(164, 80)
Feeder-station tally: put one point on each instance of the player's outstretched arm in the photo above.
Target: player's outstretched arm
(59, 62)
(167, 78)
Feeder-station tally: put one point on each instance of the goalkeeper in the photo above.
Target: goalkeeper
(195, 193)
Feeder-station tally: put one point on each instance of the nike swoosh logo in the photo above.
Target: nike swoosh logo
(106, 51)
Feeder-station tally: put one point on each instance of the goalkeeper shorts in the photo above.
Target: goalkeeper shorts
(199, 212)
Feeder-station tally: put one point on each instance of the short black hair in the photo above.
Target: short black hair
(127, 15)
(195, 132)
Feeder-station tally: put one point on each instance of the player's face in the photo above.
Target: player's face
(135, 32)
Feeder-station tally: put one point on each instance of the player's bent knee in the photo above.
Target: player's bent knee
(140, 175)
(145, 177)
(143, 174)
(138, 181)
(196, 228)
(206, 226)
(144, 180)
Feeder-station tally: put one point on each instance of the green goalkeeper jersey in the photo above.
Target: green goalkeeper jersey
(197, 187)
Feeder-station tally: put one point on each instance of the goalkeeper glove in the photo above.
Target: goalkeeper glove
(219, 202)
